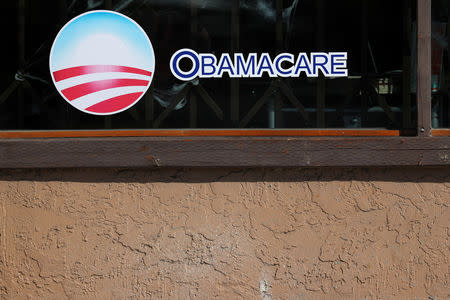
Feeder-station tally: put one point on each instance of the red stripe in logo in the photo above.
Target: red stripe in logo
(84, 70)
(84, 89)
(114, 104)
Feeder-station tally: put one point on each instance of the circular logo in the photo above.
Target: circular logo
(102, 62)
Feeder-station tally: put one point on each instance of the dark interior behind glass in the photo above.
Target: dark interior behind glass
(440, 65)
(379, 36)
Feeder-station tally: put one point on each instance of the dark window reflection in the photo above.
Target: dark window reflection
(440, 62)
(379, 36)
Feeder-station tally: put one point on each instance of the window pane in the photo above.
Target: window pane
(440, 72)
(379, 37)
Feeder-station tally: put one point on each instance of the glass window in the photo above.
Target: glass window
(440, 62)
(379, 37)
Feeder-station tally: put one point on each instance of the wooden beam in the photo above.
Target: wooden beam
(224, 152)
(173, 103)
(424, 67)
(263, 100)
(287, 91)
(441, 132)
(209, 101)
(381, 100)
(9, 90)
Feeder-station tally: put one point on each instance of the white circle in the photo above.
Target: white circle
(107, 56)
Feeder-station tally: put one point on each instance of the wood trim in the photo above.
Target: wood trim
(424, 67)
(224, 152)
(202, 133)
(441, 132)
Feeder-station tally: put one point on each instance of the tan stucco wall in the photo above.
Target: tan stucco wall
(230, 234)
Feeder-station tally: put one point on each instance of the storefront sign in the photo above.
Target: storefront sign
(333, 64)
(103, 62)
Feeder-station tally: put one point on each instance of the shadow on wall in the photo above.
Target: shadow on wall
(205, 175)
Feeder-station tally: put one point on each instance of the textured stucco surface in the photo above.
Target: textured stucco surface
(228, 234)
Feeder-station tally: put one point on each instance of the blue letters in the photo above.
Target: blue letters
(175, 64)
(206, 65)
(245, 68)
(303, 65)
(209, 62)
(265, 65)
(279, 60)
(225, 65)
(339, 64)
(324, 65)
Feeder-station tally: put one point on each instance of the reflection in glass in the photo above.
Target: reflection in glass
(379, 37)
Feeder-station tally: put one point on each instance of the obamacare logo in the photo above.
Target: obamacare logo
(102, 62)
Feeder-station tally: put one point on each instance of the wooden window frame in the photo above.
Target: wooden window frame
(243, 148)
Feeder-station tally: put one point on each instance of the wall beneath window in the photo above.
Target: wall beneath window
(230, 234)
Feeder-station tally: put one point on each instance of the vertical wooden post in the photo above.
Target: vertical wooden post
(406, 76)
(21, 61)
(234, 88)
(424, 67)
(320, 87)
(364, 56)
(192, 96)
